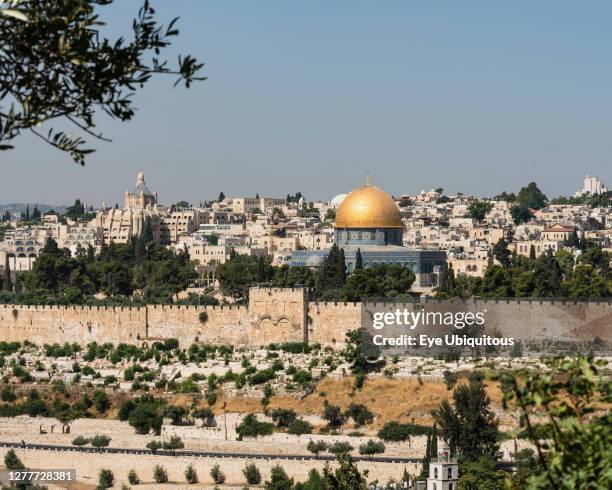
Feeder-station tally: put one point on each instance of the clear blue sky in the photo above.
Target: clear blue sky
(477, 97)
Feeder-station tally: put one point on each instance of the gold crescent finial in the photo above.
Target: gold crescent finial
(368, 180)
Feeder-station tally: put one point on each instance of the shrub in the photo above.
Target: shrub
(217, 475)
(146, 416)
(372, 447)
(360, 414)
(206, 415)
(299, 427)
(203, 317)
(175, 442)
(101, 401)
(450, 378)
(211, 398)
(316, 447)
(295, 347)
(106, 479)
(333, 415)
(301, 377)
(175, 414)
(394, 431)
(154, 446)
(159, 474)
(517, 349)
(100, 441)
(126, 409)
(80, 441)
(261, 377)
(283, 417)
(340, 447)
(191, 475)
(251, 427)
(251, 474)
(133, 478)
(7, 395)
(279, 479)
(12, 461)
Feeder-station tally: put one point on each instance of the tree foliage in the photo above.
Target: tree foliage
(118, 270)
(547, 276)
(345, 476)
(378, 281)
(565, 413)
(479, 210)
(469, 427)
(59, 67)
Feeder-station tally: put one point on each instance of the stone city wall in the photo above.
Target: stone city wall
(279, 315)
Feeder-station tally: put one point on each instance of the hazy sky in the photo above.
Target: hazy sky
(470, 96)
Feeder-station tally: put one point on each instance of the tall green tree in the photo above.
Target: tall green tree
(60, 66)
(331, 274)
(469, 427)
(479, 210)
(531, 197)
(520, 214)
(7, 283)
(501, 252)
(346, 475)
(378, 281)
(358, 260)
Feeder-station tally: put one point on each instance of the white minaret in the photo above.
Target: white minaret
(443, 472)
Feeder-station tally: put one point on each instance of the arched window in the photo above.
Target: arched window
(450, 473)
(434, 487)
(450, 486)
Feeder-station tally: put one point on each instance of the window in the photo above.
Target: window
(450, 486)
(436, 473)
(450, 473)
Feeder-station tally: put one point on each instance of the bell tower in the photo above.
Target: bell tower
(443, 472)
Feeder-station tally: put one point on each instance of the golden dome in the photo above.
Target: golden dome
(368, 207)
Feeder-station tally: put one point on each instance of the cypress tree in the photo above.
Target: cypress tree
(532, 253)
(341, 268)
(358, 260)
(448, 281)
(6, 283)
(147, 234)
(332, 273)
(434, 442)
(427, 459)
(405, 478)
(261, 274)
(27, 212)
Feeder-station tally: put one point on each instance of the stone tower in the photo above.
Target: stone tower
(141, 197)
(443, 472)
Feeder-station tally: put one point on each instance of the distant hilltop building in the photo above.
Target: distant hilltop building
(141, 197)
(592, 186)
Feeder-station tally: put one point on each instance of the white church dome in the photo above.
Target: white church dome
(336, 201)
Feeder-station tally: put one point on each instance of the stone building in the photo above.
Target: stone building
(368, 220)
(443, 472)
(140, 197)
(592, 186)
